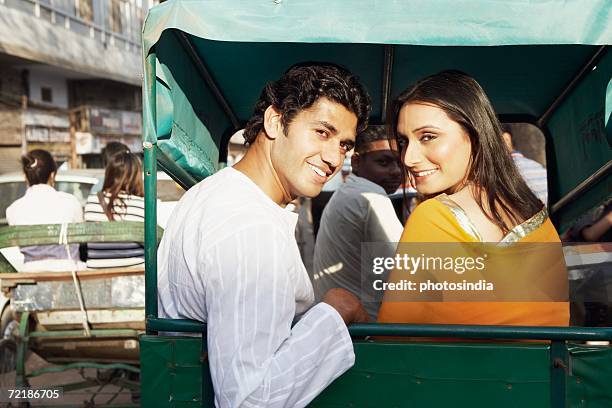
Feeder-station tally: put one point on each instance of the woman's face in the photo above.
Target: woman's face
(435, 149)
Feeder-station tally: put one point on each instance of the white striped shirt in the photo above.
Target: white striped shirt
(534, 174)
(125, 208)
(132, 211)
(229, 258)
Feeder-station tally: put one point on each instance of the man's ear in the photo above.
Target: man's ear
(508, 140)
(355, 159)
(272, 122)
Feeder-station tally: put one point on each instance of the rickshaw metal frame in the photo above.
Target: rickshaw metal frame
(558, 336)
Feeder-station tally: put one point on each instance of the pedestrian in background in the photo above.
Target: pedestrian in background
(43, 204)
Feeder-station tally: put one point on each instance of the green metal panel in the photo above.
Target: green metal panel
(171, 370)
(443, 375)
(591, 376)
(396, 374)
(581, 145)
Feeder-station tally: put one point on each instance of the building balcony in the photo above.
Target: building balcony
(92, 38)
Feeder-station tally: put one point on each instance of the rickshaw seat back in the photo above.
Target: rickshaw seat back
(75, 233)
(175, 374)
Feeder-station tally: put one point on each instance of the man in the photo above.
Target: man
(532, 171)
(359, 212)
(230, 259)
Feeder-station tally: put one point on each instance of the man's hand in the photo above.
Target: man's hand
(348, 305)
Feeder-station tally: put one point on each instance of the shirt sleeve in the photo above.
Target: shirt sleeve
(256, 358)
(382, 222)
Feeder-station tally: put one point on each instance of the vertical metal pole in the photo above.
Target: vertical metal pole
(150, 180)
(25, 94)
(558, 372)
(73, 126)
(386, 82)
(24, 127)
(22, 347)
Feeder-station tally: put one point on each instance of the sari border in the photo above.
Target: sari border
(460, 215)
(527, 227)
(514, 235)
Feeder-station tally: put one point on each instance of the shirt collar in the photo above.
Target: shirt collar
(353, 178)
(290, 217)
(40, 189)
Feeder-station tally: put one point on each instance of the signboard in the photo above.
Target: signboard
(47, 135)
(84, 143)
(131, 123)
(115, 122)
(104, 121)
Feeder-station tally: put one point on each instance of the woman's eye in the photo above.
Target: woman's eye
(427, 138)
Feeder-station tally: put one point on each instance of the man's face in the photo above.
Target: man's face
(379, 163)
(314, 147)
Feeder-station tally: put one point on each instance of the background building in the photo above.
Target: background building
(63, 58)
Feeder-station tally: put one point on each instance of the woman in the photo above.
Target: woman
(121, 199)
(42, 204)
(453, 151)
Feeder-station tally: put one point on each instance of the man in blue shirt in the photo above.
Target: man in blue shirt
(532, 171)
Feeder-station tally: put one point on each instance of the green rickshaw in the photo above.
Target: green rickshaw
(542, 63)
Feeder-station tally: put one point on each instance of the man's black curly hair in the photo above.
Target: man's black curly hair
(301, 86)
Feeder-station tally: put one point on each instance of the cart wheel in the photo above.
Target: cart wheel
(8, 355)
(6, 320)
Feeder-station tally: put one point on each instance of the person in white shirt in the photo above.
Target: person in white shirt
(230, 259)
(43, 204)
(359, 212)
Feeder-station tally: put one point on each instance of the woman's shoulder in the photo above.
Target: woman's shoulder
(433, 221)
(433, 209)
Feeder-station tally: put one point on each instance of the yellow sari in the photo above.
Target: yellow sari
(441, 220)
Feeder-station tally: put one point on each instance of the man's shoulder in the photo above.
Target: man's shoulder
(69, 198)
(226, 195)
(527, 163)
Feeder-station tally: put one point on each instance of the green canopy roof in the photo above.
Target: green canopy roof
(415, 22)
(207, 61)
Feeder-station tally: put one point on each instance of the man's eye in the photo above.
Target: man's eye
(402, 142)
(322, 133)
(346, 146)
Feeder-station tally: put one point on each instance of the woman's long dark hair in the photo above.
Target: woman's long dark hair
(123, 175)
(491, 169)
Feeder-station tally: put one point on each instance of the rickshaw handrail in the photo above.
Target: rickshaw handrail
(76, 233)
(427, 330)
(79, 232)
